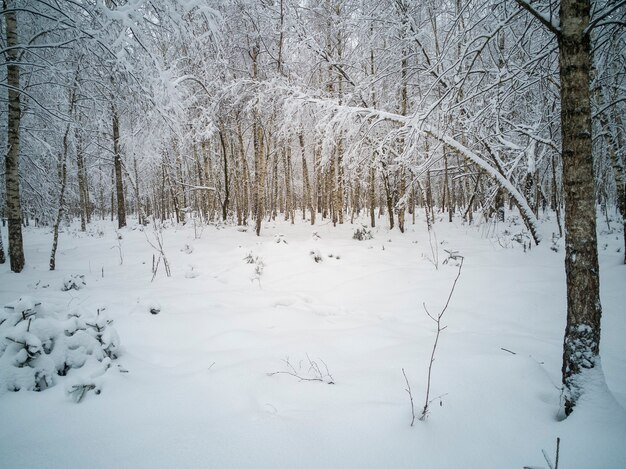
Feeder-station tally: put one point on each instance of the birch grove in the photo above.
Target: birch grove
(339, 111)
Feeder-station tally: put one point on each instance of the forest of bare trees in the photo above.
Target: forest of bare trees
(243, 111)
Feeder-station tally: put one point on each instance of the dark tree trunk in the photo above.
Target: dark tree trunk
(2, 258)
(119, 184)
(12, 160)
(226, 183)
(82, 183)
(582, 333)
(259, 176)
(306, 185)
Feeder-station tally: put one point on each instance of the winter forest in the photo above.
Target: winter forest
(313, 233)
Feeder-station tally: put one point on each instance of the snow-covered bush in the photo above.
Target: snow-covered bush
(37, 345)
(73, 282)
(316, 255)
(362, 234)
(280, 239)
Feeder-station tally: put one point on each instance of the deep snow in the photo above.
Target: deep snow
(198, 392)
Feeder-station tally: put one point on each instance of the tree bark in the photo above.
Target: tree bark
(82, 185)
(581, 343)
(12, 159)
(259, 176)
(306, 185)
(2, 258)
(117, 161)
(63, 184)
(226, 182)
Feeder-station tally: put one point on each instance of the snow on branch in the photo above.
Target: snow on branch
(339, 118)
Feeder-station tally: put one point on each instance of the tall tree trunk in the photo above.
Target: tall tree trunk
(2, 258)
(388, 196)
(82, 190)
(179, 188)
(259, 174)
(619, 170)
(63, 182)
(12, 160)
(137, 192)
(338, 199)
(400, 204)
(119, 184)
(246, 177)
(289, 202)
(200, 206)
(372, 197)
(581, 343)
(208, 174)
(226, 183)
(113, 210)
(62, 170)
(306, 185)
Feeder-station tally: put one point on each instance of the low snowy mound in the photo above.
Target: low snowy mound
(38, 346)
(73, 282)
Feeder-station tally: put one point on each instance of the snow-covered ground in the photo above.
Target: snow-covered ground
(199, 390)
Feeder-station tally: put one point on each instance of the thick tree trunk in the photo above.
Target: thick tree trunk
(12, 160)
(582, 333)
(119, 184)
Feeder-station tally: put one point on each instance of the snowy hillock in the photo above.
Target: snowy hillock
(39, 346)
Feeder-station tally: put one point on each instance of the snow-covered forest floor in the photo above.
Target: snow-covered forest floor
(194, 385)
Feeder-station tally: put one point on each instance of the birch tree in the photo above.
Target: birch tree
(12, 158)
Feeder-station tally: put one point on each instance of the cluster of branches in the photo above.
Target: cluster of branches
(246, 110)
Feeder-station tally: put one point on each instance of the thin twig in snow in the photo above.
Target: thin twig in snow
(439, 329)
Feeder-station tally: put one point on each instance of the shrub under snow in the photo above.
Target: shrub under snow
(37, 346)
(73, 282)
